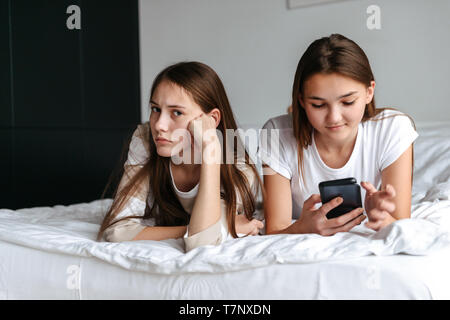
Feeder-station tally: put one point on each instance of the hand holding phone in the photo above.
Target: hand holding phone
(347, 189)
(314, 220)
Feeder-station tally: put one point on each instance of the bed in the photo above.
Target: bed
(51, 253)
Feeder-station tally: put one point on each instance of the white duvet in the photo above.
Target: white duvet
(72, 230)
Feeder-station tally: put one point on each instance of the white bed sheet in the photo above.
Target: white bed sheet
(50, 253)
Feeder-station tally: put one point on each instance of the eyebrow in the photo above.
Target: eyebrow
(171, 106)
(343, 96)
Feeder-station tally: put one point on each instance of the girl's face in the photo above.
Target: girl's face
(172, 108)
(335, 104)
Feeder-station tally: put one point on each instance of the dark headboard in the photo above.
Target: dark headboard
(70, 98)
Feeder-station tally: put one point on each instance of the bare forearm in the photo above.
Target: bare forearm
(206, 210)
(293, 228)
(161, 233)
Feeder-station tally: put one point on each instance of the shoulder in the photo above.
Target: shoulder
(280, 129)
(278, 146)
(139, 149)
(389, 121)
(280, 122)
(390, 116)
(389, 134)
(142, 131)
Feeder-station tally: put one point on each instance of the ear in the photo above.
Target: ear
(370, 91)
(215, 114)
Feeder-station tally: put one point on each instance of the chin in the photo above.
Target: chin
(163, 152)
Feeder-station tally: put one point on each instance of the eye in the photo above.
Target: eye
(155, 109)
(177, 113)
(317, 105)
(348, 103)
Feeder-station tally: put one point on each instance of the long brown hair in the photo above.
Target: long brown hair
(207, 90)
(333, 54)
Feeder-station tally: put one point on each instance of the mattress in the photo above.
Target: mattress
(34, 274)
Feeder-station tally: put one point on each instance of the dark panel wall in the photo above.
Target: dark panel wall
(69, 98)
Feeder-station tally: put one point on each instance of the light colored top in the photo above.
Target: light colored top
(138, 155)
(378, 144)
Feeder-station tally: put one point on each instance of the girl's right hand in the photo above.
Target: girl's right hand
(203, 130)
(245, 226)
(315, 221)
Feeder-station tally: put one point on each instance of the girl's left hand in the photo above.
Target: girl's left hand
(379, 205)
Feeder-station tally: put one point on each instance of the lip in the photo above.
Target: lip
(336, 127)
(162, 140)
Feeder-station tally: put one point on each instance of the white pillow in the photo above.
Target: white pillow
(432, 162)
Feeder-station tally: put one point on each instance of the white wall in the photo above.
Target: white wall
(255, 45)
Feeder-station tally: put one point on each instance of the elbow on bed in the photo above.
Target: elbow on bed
(116, 237)
(123, 232)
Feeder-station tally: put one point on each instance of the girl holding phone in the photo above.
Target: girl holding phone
(335, 132)
(160, 197)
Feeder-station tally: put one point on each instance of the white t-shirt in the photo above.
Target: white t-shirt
(138, 155)
(378, 144)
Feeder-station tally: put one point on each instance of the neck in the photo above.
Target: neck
(332, 146)
(188, 169)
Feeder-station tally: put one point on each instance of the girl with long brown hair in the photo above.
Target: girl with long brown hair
(175, 182)
(336, 132)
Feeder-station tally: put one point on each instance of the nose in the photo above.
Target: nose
(334, 115)
(162, 122)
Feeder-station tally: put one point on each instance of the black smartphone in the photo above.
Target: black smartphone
(347, 188)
